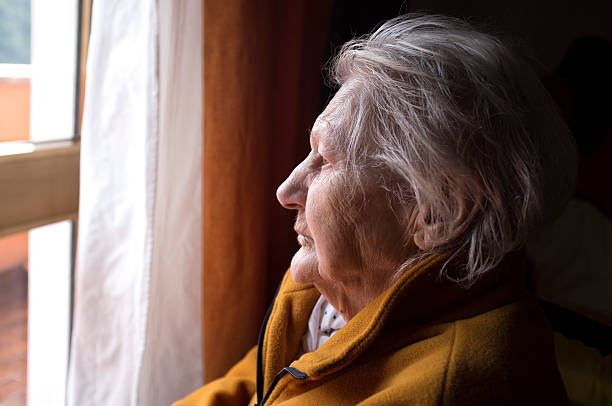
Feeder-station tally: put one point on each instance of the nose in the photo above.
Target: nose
(293, 191)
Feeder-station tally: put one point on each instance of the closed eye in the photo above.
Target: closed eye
(324, 162)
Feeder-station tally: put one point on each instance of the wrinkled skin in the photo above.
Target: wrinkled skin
(350, 248)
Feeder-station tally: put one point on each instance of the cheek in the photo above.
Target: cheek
(333, 232)
(352, 236)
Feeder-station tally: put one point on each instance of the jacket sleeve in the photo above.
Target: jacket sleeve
(236, 388)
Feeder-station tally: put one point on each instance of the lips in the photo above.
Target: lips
(300, 227)
(302, 233)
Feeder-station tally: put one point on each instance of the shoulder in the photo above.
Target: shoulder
(506, 356)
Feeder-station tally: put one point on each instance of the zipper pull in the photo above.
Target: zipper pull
(296, 373)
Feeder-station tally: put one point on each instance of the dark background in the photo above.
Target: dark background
(543, 31)
(545, 28)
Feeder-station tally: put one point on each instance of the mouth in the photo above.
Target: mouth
(304, 241)
(302, 237)
(302, 234)
(301, 229)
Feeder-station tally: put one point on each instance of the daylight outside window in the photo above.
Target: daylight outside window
(39, 153)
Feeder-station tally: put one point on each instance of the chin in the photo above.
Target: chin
(304, 266)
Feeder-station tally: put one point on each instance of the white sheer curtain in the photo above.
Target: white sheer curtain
(137, 331)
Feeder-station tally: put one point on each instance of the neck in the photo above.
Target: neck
(350, 296)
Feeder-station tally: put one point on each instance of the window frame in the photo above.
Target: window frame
(40, 187)
(48, 177)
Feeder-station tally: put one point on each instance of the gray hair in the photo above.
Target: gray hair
(447, 110)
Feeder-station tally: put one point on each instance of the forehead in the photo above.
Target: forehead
(329, 120)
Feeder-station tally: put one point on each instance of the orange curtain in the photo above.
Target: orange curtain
(262, 81)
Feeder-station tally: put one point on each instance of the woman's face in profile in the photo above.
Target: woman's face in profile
(342, 239)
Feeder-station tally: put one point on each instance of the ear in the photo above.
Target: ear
(432, 230)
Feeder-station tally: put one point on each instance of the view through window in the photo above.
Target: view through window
(14, 70)
(14, 126)
(38, 195)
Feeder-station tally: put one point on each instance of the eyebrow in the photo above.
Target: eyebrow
(312, 135)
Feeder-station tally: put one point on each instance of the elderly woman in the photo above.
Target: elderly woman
(438, 155)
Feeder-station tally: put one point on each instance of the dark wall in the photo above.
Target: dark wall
(350, 19)
(547, 27)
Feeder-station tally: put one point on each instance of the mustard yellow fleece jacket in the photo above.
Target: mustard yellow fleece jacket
(424, 341)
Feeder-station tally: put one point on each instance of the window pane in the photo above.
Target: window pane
(13, 318)
(14, 70)
(14, 104)
(15, 31)
(38, 48)
(35, 264)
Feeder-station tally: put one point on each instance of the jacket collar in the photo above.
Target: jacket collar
(419, 297)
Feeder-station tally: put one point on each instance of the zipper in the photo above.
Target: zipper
(296, 373)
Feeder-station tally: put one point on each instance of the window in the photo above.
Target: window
(41, 97)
